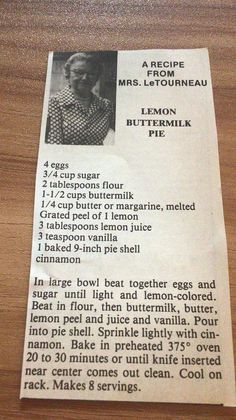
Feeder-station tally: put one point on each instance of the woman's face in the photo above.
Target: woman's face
(83, 76)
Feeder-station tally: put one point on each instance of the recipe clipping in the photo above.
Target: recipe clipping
(128, 292)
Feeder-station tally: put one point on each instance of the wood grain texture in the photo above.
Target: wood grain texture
(29, 29)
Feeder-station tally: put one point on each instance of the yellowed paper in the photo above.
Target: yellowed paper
(128, 295)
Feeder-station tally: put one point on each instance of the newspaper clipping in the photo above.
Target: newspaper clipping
(128, 292)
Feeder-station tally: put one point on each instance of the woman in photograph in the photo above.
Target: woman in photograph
(76, 115)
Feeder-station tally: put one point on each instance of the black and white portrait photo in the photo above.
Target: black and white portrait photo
(81, 108)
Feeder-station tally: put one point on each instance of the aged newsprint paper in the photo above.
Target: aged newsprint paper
(128, 293)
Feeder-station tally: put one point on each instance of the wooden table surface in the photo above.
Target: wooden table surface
(29, 29)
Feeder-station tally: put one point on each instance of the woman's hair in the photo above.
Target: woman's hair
(88, 57)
